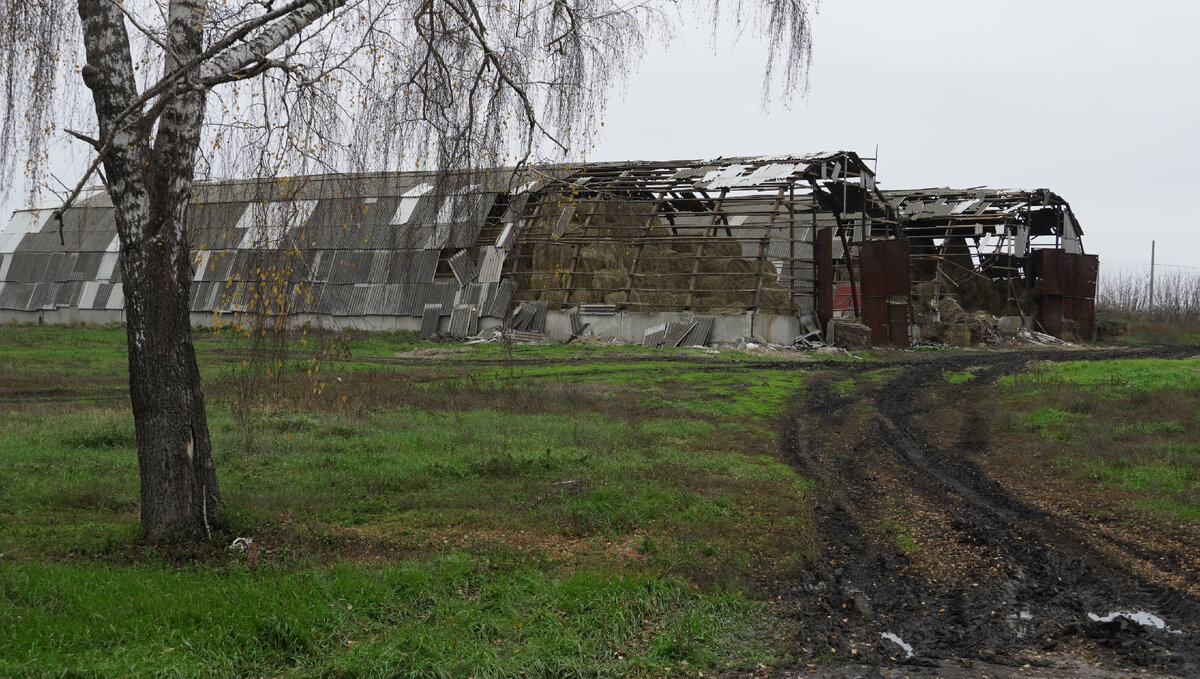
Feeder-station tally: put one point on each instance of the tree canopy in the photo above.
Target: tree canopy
(263, 88)
(305, 86)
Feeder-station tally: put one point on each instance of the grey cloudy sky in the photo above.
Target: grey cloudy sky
(1095, 100)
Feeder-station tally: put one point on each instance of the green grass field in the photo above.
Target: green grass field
(1128, 426)
(447, 511)
(530, 511)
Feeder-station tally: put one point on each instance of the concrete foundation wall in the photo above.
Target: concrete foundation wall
(64, 316)
(625, 326)
(631, 326)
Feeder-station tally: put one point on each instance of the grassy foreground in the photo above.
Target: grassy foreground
(1130, 429)
(419, 510)
(538, 511)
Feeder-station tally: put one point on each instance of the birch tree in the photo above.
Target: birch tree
(181, 89)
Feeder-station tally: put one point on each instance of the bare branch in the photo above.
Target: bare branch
(94, 143)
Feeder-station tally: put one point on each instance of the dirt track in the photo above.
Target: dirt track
(1004, 588)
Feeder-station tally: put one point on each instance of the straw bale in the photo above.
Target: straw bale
(606, 255)
(614, 298)
(604, 280)
(659, 259)
(775, 299)
(586, 296)
(723, 247)
(645, 300)
(957, 335)
(726, 265)
(539, 282)
(664, 282)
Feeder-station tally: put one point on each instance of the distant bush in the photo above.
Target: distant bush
(1172, 317)
(1176, 294)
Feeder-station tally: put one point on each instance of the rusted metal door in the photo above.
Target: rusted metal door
(1064, 287)
(1079, 292)
(885, 290)
(824, 289)
(1047, 282)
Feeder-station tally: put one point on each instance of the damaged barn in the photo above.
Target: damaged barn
(657, 252)
(1013, 255)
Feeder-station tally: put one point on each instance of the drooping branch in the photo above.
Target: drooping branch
(291, 19)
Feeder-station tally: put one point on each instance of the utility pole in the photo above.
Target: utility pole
(1151, 304)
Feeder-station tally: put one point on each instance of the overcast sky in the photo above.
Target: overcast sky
(1095, 100)
(1098, 101)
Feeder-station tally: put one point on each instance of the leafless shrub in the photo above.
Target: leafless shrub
(1176, 294)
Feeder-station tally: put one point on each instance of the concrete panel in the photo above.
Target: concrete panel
(631, 326)
(63, 316)
(776, 329)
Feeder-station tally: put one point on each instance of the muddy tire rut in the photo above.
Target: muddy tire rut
(997, 582)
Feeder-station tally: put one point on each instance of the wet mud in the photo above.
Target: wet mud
(998, 587)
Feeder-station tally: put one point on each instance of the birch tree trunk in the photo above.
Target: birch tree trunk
(149, 183)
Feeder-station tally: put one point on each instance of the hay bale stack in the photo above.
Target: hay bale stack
(850, 335)
(959, 334)
(664, 267)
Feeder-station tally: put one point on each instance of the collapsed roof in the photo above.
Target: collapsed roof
(721, 235)
(766, 234)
